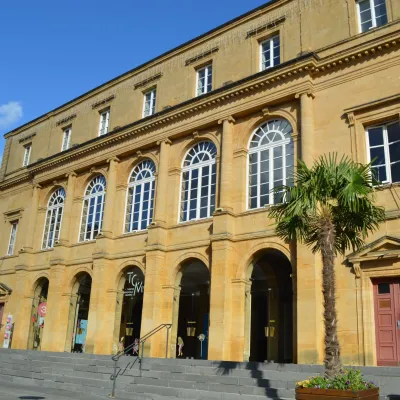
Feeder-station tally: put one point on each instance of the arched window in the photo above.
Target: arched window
(140, 197)
(271, 160)
(52, 226)
(93, 209)
(198, 182)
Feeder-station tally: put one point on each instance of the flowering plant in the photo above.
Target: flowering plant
(349, 379)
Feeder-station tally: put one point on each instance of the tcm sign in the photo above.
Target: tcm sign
(134, 286)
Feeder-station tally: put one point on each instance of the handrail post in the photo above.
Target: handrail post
(114, 379)
(166, 346)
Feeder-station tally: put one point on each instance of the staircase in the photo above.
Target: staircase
(168, 379)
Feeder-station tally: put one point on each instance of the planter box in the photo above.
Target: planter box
(330, 394)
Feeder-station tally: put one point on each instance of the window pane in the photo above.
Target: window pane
(375, 136)
(394, 151)
(395, 169)
(380, 173)
(383, 288)
(377, 156)
(393, 132)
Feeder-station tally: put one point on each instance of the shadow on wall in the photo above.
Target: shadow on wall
(225, 368)
(31, 398)
(394, 396)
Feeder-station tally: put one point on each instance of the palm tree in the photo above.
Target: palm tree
(330, 209)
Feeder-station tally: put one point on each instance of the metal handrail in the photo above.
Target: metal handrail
(139, 357)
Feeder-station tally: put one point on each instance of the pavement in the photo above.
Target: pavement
(13, 391)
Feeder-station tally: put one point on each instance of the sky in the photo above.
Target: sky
(54, 51)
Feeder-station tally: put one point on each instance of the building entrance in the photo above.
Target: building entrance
(271, 328)
(387, 321)
(38, 315)
(131, 310)
(79, 313)
(194, 305)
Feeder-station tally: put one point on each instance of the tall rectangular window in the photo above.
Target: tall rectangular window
(13, 235)
(66, 139)
(149, 104)
(371, 14)
(270, 52)
(204, 80)
(104, 122)
(27, 155)
(384, 151)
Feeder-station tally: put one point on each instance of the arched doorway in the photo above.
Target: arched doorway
(129, 308)
(271, 307)
(38, 315)
(79, 313)
(194, 309)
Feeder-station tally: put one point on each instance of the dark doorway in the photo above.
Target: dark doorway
(38, 316)
(81, 313)
(132, 306)
(271, 331)
(194, 306)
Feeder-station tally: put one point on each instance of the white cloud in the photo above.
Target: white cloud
(10, 113)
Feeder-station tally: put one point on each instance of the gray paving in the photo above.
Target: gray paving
(10, 391)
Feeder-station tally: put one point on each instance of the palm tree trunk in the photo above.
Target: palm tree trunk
(332, 347)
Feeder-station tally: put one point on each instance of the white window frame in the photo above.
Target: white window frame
(66, 138)
(134, 186)
(104, 116)
(200, 166)
(55, 211)
(385, 148)
(283, 143)
(152, 102)
(373, 15)
(13, 238)
(87, 199)
(206, 83)
(27, 155)
(270, 40)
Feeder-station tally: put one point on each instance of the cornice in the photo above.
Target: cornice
(309, 65)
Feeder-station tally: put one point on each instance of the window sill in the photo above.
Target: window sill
(136, 233)
(83, 243)
(256, 210)
(10, 256)
(193, 222)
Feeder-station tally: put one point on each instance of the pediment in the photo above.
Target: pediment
(4, 290)
(384, 247)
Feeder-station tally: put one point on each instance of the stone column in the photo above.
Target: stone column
(30, 233)
(111, 191)
(225, 198)
(69, 200)
(56, 325)
(160, 212)
(307, 127)
(223, 265)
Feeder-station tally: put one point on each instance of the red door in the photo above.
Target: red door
(387, 321)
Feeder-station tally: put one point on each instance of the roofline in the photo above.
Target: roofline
(311, 55)
(254, 10)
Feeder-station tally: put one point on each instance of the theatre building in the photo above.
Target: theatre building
(145, 200)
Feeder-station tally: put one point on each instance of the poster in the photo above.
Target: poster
(8, 332)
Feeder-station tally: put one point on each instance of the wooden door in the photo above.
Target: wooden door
(387, 315)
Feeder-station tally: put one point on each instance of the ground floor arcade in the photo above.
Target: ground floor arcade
(263, 303)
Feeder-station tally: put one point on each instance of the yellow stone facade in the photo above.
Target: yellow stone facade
(333, 82)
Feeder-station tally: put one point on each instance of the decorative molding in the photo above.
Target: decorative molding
(373, 104)
(164, 140)
(265, 112)
(229, 119)
(309, 93)
(103, 102)
(148, 80)
(26, 138)
(201, 55)
(262, 28)
(113, 159)
(66, 120)
(13, 215)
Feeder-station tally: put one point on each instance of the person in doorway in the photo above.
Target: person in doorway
(121, 346)
(180, 347)
(136, 347)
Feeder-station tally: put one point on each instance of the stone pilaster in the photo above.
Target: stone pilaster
(307, 127)
(67, 212)
(160, 212)
(225, 198)
(30, 234)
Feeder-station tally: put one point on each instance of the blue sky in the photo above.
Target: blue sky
(53, 51)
